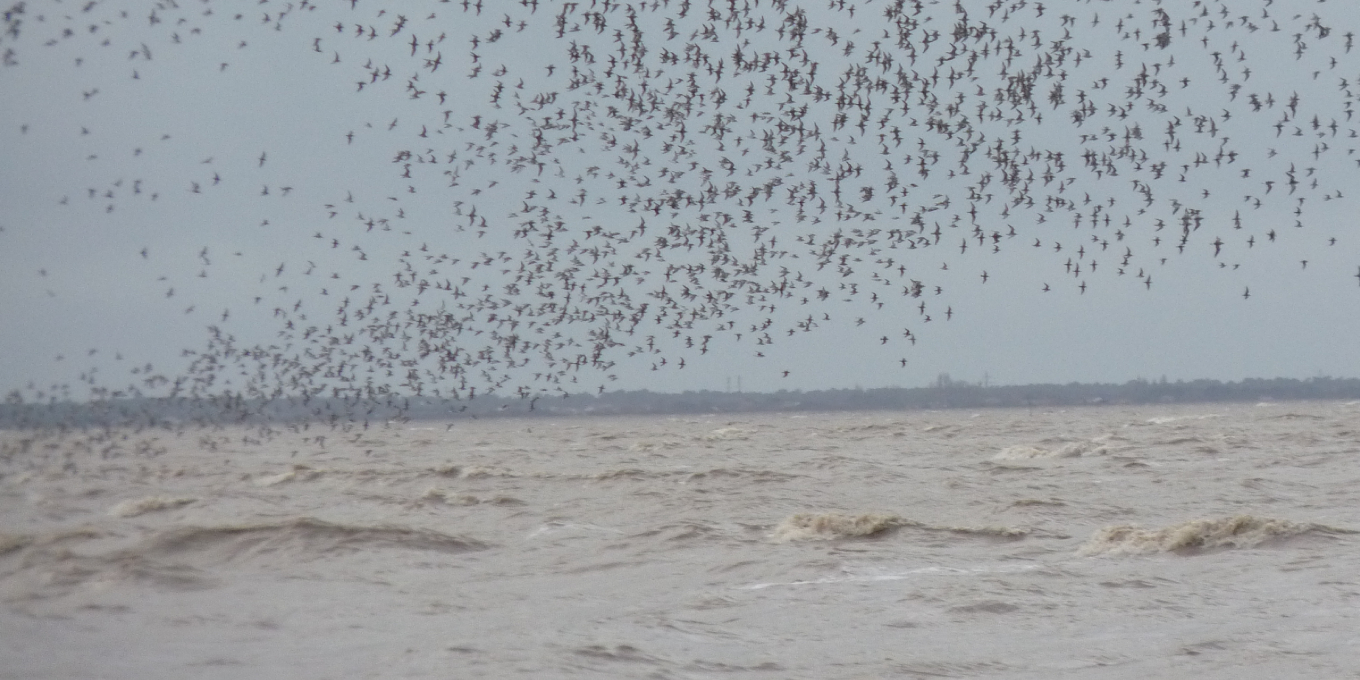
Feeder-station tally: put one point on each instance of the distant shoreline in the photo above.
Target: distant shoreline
(945, 394)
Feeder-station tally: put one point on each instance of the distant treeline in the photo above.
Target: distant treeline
(944, 394)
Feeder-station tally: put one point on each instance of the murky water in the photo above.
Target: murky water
(1108, 542)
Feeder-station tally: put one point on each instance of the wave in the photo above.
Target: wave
(622, 473)
(628, 473)
(1034, 452)
(627, 653)
(727, 434)
(45, 565)
(648, 445)
(863, 431)
(141, 506)
(807, 526)
(1164, 420)
(11, 543)
(1199, 535)
(879, 575)
(1022, 453)
(483, 472)
(59, 573)
(750, 475)
(303, 537)
(1027, 502)
(1296, 416)
(299, 473)
(990, 531)
(680, 532)
(1098, 446)
(42, 566)
(450, 497)
(832, 526)
(985, 607)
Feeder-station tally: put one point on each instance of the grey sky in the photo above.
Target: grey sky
(74, 277)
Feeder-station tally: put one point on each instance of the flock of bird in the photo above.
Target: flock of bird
(572, 186)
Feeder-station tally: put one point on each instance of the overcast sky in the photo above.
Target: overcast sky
(161, 183)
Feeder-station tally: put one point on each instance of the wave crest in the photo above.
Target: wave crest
(304, 537)
(141, 506)
(807, 526)
(1068, 450)
(1241, 531)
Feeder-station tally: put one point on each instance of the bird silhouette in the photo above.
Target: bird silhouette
(643, 184)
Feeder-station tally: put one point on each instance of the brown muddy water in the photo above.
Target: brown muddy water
(1207, 541)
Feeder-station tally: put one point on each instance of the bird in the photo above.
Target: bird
(639, 185)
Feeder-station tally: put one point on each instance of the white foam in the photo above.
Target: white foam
(874, 577)
(141, 506)
(1163, 420)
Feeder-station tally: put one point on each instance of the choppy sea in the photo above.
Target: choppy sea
(1206, 541)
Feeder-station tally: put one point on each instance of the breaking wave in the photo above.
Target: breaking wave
(1242, 531)
(1098, 446)
(141, 506)
(683, 475)
(45, 565)
(726, 434)
(299, 473)
(483, 472)
(808, 526)
(304, 537)
(1034, 452)
(648, 445)
(449, 497)
(1164, 420)
(10, 543)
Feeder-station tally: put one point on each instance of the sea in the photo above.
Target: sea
(1168, 541)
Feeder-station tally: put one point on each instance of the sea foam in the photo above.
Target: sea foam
(1241, 531)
